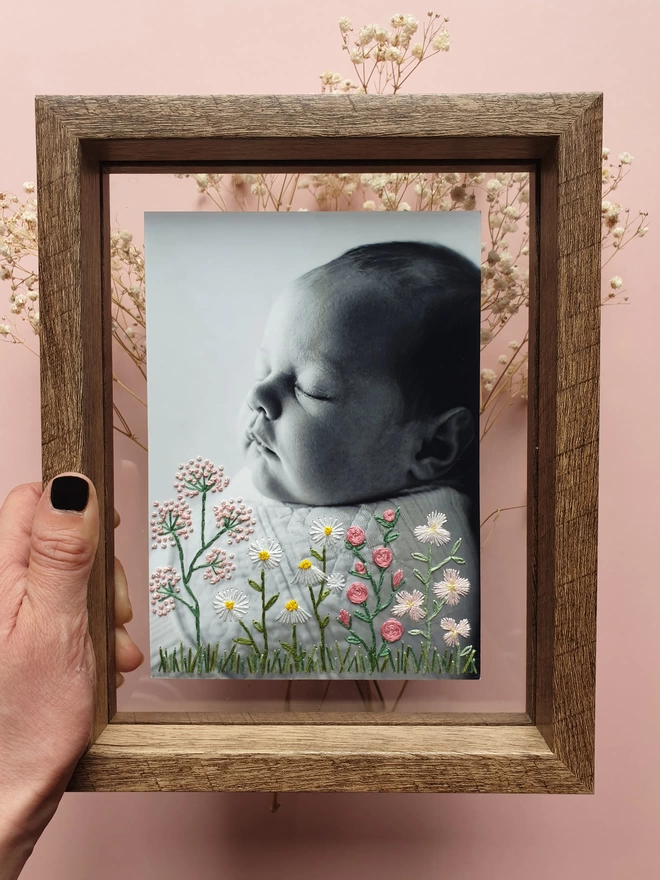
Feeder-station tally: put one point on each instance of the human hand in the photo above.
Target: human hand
(46, 658)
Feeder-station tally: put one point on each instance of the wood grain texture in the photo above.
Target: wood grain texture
(359, 719)
(566, 401)
(78, 140)
(174, 757)
(75, 344)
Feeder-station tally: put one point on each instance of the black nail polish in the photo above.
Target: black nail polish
(69, 493)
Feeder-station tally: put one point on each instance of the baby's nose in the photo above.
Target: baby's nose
(264, 398)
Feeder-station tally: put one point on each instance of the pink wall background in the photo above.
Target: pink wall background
(515, 45)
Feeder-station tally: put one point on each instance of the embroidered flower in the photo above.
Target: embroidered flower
(293, 613)
(355, 536)
(454, 630)
(344, 617)
(451, 587)
(357, 593)
(382, 557)
(397, 577)
(360, 567)
(220, 565)
(265, 553)
(230, 604)
(389, 515)
(391, 630)
(307, 573)
(410, 603)
(162, 584)
(432, 532)
(336, 583)
(326, 531)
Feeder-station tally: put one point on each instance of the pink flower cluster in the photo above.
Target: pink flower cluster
(357, 593)
(355, 536)
(389, 515)
(382, 557)
(220, 566)
(196, 476)
(164, 578)
(169, 519)
(392, 630)
(237, 518)
(344, 617)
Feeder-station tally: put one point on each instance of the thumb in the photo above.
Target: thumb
(65, 534)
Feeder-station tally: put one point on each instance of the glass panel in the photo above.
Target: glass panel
(503, 202)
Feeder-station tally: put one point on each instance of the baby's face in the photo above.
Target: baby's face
(321, 424)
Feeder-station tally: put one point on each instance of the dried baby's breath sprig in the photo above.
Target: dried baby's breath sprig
(384, 57)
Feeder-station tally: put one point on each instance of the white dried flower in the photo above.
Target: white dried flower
(486, 335)
(618, 232)
(5, 329)
(625, 158)
(417, 51)
(441, 41)
(28, 186)
(357, 57)
(345, 24)
(642, 231)
(493, 186)
(616, 282)
(403, 206)
(369, 205)
(606, 152)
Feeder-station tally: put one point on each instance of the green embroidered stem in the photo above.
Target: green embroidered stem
(294, 645)
(203, 513)
(316, 602)
(250, 637)
(264, 657)
(186, 578)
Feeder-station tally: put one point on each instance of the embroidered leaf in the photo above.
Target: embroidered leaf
(419, 576)
(361, 616)
(315, 554)
(415, 632)
(325, 622)
(255, 586)
(287, 647)
(390, 536)
(324, 595)
(353, 640)
(272, 601)
(459, 560)
(259, 628)
(420, 557)
(242, 641)
(384, 651)
(456, 546)
(466, 650)
(382, 522)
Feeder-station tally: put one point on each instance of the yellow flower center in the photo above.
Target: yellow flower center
(451, 586)
(328, 530)
(264, 555)
(305, 565)
(291, 605)
(229, 604)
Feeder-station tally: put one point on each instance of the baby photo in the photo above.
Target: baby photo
(313, 392)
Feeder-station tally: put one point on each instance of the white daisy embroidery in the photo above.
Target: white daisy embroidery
(451, 587)
(409, 603)
(433, 531)
(265, 553)
(293, 613)
(307, 573)
(336, 583)
(454, 630)
(326, 531)
(230, 604)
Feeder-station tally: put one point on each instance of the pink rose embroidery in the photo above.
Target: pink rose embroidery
(344, 617)
(355, 536)
(391, 630)
(360, 567)
(397, 577)
(357, 593)
(382, 556)
(389, 515)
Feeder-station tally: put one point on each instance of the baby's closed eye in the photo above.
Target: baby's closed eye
(312, 393)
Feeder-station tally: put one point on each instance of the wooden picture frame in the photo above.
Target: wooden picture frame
(549, 748)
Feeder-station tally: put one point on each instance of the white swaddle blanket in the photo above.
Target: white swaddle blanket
(289, 525)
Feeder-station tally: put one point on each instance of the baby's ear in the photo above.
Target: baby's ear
(443, 441)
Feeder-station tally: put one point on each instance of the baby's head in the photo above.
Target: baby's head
(367, 378)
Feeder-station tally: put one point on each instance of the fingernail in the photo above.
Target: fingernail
(69, 493)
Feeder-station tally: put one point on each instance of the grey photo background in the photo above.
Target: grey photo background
(211, 280)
